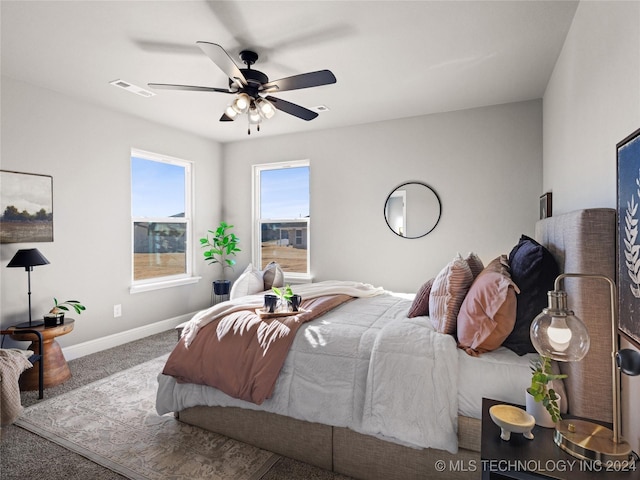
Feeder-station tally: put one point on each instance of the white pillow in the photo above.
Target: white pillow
(249, 283)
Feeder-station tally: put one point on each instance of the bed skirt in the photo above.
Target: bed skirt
(340, 449)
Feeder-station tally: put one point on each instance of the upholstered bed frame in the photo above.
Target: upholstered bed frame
(582, 242)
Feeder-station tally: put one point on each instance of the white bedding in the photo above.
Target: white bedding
(376, 376)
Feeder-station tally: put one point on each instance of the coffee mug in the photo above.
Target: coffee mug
(295, 301)
(270, 303)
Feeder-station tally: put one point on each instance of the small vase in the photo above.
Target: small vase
(539, 412)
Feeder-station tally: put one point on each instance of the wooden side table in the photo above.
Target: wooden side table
(56, 369)
(539, 458)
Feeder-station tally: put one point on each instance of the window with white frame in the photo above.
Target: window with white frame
(161, 221)
(281, 217)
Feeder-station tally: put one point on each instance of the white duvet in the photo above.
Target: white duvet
(363, 365)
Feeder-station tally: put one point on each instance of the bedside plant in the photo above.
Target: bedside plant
(541, 375)
(60, 308)
(56, 314)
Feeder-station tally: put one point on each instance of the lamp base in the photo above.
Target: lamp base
(592, 442)
(32, 324)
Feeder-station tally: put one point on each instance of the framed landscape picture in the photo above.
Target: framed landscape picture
(26, 207)
(628, 199)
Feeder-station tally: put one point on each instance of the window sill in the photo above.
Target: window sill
(297, 279)
(147, 287)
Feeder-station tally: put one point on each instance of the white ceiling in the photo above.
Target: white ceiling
(392, 59)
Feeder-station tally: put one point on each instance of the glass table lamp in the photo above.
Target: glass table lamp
(558, 334)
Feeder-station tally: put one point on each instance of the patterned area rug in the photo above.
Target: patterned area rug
(113, 422)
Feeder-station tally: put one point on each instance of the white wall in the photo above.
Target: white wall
(87, 151)
(485, 164)
(591, 103)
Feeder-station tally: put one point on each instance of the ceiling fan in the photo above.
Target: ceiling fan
(252, 87)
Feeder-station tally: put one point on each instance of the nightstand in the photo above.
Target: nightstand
(56, 369)
(539, 458)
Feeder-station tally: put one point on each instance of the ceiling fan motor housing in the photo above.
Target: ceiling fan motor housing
(254, 78)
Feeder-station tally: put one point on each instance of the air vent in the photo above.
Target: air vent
(130, 87)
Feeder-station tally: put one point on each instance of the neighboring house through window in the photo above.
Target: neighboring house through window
(161, 221)
(281, 218)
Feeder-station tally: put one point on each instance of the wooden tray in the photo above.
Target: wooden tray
(263, 314)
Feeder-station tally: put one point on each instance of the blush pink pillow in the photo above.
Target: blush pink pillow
(488, 314)
(420, 305)
(447, 293)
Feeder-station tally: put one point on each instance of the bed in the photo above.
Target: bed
(359, 441)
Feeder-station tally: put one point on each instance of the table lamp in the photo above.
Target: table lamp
(558, 334)
(28, 258)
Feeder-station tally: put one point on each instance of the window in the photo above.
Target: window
(281, 217)
(161, 221)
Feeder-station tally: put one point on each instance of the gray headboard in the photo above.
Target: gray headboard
(584, 242)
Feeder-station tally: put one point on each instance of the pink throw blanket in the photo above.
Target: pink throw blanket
(242, 355)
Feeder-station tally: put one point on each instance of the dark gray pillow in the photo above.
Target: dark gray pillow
(533, 270)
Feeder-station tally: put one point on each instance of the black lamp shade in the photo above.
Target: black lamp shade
(28, 257)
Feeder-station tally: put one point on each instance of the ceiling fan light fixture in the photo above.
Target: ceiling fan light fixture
(230, 112)
(241, 103)
(265, 108)
(254, 115)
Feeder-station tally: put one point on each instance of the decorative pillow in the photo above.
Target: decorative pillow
(475, 264)
(447, 293)
(500, 265)
(533, 270)
(420, 305)
(488, 313)
(273, 276)
(249, 283)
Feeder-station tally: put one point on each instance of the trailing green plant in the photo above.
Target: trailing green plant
(64, 306)
(541, 375)
(221, 244)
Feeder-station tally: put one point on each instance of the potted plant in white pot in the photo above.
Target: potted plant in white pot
(542, 400)
(221, 244)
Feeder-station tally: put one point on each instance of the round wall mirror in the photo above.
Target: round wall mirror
(412, 210)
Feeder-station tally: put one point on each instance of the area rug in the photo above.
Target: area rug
(113, 422)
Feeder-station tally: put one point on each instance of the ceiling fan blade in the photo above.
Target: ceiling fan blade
(292, 108)
(226, 118)
(221, 58)
(191, 88)
(305, 80)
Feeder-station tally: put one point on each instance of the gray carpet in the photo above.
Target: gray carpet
(26, 455)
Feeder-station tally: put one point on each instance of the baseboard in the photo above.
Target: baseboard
(99, 344)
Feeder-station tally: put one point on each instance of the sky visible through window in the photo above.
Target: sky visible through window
(157, 188)
(284, 193)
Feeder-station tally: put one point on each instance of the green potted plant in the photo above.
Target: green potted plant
(541, 392)
(221, 244)
(288, 300)
(56, 314)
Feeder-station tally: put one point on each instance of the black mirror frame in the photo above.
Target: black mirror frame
(384, 208)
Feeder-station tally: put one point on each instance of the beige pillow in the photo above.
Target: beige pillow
(273, 276)
(447, 294)
(475, 264)
(249, 283)
(420, 305)
(488, 313)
